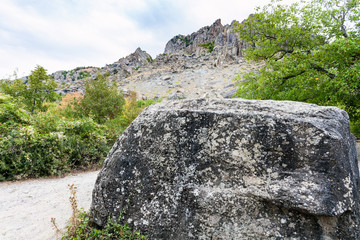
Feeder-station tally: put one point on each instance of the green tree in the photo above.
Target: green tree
(10, 111)
(102, 100)
(311, 53)
(35, 92)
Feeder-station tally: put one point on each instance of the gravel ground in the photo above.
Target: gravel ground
(26, 207)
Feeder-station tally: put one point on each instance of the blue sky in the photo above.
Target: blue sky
(64, 34)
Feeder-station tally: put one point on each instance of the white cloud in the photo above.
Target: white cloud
(64, 34)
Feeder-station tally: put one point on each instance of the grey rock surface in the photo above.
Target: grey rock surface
(176, 95)
(233, 169)
(226, 43)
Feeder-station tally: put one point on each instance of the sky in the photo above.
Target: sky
(65, 34)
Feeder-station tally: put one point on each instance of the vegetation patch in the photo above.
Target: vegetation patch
(51, 137)
(311, 54)
(81, 227)
(208, 45)
(83, 74)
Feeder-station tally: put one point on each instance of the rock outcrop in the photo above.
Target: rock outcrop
(225, 42)
(73, 81)
(233, 169)
(126, 66)
(184, 58)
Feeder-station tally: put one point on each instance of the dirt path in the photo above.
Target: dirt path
(26, 207)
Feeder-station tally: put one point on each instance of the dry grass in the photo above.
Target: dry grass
(74, 220)
(55, 226)
(69, 98)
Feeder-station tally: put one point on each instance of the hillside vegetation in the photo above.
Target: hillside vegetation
(42, 134)
(311, 51)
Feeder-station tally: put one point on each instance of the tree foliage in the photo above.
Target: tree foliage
(11, 111)
(38, 89)
(102, 100)
(311, 53)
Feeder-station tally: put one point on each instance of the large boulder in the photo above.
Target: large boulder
(233, 169)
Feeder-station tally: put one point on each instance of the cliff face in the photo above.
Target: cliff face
(190, 43)
(224, 40)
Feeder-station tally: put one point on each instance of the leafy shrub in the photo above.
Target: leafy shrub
(11, 111)
(83, 74)
(145, 103)
(46, 123)
(355, 128)
(132, 108)
(48, 144)
(67, 106)
(58, 140)
(85, 230)
(64, 73)
(27, 153)
(186, 40)
(208, 45)
(101, 101)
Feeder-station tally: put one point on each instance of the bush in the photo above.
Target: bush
(26, 152)
(208, 45)
(132, 109)
(85, 230)
(59, 140)
(355, 128)
(11, 111)
(47, 144)
(101, 101)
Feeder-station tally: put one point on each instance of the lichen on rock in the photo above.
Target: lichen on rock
(233, 169)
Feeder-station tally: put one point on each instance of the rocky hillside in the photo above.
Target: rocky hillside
(202, 63)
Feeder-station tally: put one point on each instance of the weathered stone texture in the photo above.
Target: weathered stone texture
(233, 169)
(226, 43)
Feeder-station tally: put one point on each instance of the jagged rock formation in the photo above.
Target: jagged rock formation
(72, 81)
(126, 66)
(233, 169)
(190, 69)
(225, 42)
(190, 43)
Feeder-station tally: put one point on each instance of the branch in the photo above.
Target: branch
(284, 51)
(269, 36)
(291, 76)
(312, 66)
(342, 20)
(323, 70)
